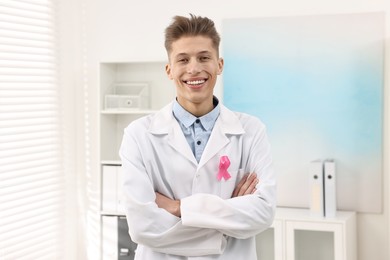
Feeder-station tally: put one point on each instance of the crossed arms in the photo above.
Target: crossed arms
(247, 185)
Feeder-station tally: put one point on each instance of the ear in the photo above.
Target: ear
(220, 65)
(168, 70)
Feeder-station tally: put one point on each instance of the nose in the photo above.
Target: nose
(194, 67)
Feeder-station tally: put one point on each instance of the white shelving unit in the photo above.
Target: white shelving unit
(113, 121)
(296, 235)
(160, 91)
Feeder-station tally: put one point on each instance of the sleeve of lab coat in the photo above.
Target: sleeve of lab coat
(244, 216)
(155, 227)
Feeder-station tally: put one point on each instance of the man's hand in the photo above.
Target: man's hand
(170, 205)
(246, 186)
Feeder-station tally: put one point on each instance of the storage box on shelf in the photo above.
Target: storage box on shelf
(127, 96)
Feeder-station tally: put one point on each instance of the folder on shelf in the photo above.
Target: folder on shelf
(330, 188)
(112, 189)
(109, 188)
(119, 195)
(316, 188)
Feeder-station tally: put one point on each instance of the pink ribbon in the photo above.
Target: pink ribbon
(224, 164)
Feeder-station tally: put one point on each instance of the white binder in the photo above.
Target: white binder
(112, 189)
(119, 195)
(109, 188)
(316, 188)
(330, 188)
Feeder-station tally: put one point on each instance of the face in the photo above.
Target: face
(194, 66)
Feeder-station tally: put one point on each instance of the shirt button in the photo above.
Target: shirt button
(197, 121)
(198, 142)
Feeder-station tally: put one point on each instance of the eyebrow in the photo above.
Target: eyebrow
(185, 53)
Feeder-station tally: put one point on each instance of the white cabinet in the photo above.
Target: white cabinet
(296, 235)
(270, 243)
(127, 91)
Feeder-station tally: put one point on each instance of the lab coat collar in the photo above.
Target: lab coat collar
(164, 123)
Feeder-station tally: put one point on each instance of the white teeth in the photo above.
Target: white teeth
(196, 82)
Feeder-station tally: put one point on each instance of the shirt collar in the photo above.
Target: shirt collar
(187, 119)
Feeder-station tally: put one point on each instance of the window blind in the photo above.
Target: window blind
(32, 183)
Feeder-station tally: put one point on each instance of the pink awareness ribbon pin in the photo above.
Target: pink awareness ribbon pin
(224, 164)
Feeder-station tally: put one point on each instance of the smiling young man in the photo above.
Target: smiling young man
(194, 66)
(198, 178)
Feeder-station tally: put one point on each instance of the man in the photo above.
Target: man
(198, 178)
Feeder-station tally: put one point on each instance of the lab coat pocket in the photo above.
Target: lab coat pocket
(227, 186)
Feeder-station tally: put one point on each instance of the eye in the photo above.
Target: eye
(182, 60)
(204, 58)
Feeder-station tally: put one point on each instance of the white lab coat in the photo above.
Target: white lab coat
(156, 157)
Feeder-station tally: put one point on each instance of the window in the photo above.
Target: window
(32, 182)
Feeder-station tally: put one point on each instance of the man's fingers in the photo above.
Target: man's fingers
(248, 185)
(239, 185)
(252, 187)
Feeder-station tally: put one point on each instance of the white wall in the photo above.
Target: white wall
(68, 21)
(125, 30)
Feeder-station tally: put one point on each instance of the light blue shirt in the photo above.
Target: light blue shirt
(196, 130)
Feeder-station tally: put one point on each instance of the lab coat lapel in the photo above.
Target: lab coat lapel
(164, 123)
(227, 123)
(215, 143)
(177, 140)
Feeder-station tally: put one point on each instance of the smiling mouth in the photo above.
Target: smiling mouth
(195, 82)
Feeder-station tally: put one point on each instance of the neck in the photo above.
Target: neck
(198, 109)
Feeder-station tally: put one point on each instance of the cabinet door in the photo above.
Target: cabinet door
(270, 243)
(314, 240)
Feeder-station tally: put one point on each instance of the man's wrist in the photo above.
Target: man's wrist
(178, 210)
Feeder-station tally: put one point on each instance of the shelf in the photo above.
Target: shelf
(111, 162)
(304, 215)
(115, 79)
(112, 213)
